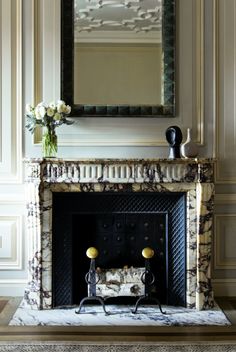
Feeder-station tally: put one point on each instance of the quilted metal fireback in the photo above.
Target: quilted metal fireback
(120, 225)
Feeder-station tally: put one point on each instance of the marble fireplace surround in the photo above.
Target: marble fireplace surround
(192, 176)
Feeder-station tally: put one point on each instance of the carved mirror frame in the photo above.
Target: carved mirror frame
(166, 109)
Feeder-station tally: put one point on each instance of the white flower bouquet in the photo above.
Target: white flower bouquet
(49, 116)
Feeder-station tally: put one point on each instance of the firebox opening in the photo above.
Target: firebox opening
(120, 225)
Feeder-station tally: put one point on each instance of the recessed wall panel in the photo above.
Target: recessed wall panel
(226, 89)
(10, 92)
(10, 243)
(225, 241)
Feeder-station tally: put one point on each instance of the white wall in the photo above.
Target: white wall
(13, 266)
(205, 102)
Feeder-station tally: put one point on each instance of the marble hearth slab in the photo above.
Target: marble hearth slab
(119, 316)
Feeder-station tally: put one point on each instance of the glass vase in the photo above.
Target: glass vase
(49, 143)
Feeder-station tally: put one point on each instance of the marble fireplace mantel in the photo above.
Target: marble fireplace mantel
(192, 176)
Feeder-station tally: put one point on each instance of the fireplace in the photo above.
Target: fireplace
(120, 226)
(119, 184)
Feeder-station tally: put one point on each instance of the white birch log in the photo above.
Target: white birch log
(120, 282)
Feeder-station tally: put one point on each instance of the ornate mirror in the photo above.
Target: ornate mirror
(118, 57)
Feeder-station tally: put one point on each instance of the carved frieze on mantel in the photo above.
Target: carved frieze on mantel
(194, 177)
(120, 170)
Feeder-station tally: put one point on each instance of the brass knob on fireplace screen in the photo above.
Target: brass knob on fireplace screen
(92, 252)
(147, 252)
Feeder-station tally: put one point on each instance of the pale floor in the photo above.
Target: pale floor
(118, 334)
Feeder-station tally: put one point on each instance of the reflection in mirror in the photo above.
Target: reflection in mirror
(118, 57)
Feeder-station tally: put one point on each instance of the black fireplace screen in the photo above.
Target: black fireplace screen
(120, 225)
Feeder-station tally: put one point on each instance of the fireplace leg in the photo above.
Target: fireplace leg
(95, 298)
(147, 298)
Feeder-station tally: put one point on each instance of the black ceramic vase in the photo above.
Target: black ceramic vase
(174, 138)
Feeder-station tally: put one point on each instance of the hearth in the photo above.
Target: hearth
(119, 225)
(191, 181)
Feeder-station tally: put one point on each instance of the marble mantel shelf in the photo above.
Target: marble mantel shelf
(194, 177)
(118, 160)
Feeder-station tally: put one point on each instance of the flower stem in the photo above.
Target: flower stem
(49, 143)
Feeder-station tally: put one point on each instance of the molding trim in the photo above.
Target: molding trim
(215, 7)
(224, 287)
(14, 260)
(11, 165)
(118, 37)
(124, 16)
(13, 287)
(11, 201)
(200, 70)
(36, 53)
(225, 199)
(97, 137)
(37, 74)
(221, 263)
(9, 282)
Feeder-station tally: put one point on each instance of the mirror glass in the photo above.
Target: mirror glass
(118, 57)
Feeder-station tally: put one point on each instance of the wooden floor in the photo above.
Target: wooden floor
(119, 334)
